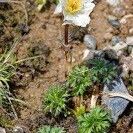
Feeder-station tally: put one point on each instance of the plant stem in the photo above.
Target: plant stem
(95, 96)
(68, 50)
(66, 34)
(93, 101)
(29, 58)
(13, 109)
(66, 47)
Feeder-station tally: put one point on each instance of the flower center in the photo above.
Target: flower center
(73, 6)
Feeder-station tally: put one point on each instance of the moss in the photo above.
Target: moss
(5, 122)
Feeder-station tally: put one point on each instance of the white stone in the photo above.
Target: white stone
(2, 130)
(129, 40)
(88, 54)
(90, 41)
(113, 2)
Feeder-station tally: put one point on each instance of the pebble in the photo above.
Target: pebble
(131, 31)
(129, 40)
(124, 19)
(113, 2)
(125, 71)
(129, 49)
(127, 61)
(119, 11)
(18, 129)
(88, 54)
(114, 23)
(115, 40)
(111, 17)
(3, 1)
(71, 60)
(116, 105)
(2, 130)
(90, 41)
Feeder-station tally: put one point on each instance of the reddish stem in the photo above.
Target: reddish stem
(66, 34)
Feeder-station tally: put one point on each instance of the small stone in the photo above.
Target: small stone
(124, 19)
(119, 11)
(18, 129)
(125, 71)
(3, 1)
(120, 53)
(115, 23)
(113, 2)
(90, 42)
(131, 31)
(120, 46)
(116, 105)
(88, 54)
(71, 59)
(108, 36)
(129, 49)
(111, 17)
(115, 40)
(129, 40)
(2, 130)
(127, 61)
(131, 53)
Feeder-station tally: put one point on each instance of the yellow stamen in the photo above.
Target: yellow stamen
(73, 6)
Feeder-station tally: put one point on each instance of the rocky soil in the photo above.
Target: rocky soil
(42, 35)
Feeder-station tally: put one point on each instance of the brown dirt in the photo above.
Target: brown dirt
(36, 76)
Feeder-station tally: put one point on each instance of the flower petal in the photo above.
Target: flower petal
(88, 7)
(79, 20)
(82, 18)
(88, 1)
(59, 7)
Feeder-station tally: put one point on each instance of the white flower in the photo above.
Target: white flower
(75, 11)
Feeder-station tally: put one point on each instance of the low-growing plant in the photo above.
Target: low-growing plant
(2, 95)
(110, 73)
(49, 129)
(5, 122)
(79, 111)
(97, 121)
(55, 100)
(79, 79)
(8, 66)
(103, 71)
(7, 70)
